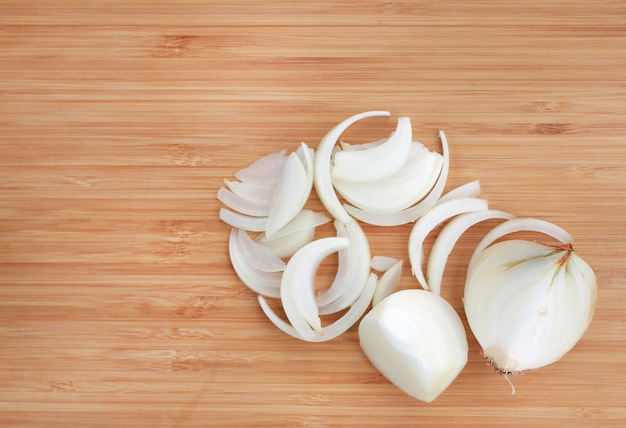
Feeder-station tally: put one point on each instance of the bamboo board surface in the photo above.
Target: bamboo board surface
(119, 120)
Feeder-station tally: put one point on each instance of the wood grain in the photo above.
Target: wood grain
(119, 120)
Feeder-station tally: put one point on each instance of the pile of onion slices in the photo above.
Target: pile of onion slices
(526, 303)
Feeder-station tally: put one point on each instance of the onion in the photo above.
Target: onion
(411, 214)
(422, 227)
(416, 340)
(259, 281)
(448, 237)
(378, 162)
(388, 283)
(322, 165)
(528, 303)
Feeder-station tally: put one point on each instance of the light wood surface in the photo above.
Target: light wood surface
(119, 120)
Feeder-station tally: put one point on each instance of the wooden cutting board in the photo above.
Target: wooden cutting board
(119, 120)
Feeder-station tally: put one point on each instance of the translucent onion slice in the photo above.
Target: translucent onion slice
(264, 283)
(383, 263)
(297, 289)
(524, 224)
(242, 221)
(292, 191)
(349, 281)
(388, 283)
(378, 162)
(265, 171)
(413, 213)
(296, 234)
(253, 192)
(399, 191)
(447, 239)
(429, 221)
(467, 190)
(258, 255)
(322, 165)
(335, 329)
(345, 146)
(242, 205)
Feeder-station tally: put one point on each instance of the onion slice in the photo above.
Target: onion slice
(399, 191)
(388, 283)
(297, 289)
(413, 213)
(383, 263)
(292, 191)
(258, 255)
(265, 171)
(447, 239)
(350, 280)
(242, 221)
(422, 227)
(296, 234)
(261, 282)
(259, 193)
(335, 329)
(377, 162)
(242, 205)
(322, 165)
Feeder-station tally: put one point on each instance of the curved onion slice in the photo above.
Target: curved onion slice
(253, 192)
(519, 225)
(265, 171)
(296, 234)
(334, 329)
(258, 255)
(322, 175)
(376, 162)
(388, 283)
(353, 271)
(265, 283)
(383, 263)
(448, 237)
(242, 221)
(297, 289)
(467, 190)
(413, 213)
(422, 227)
(292, 191)
(399, 191)
(242, 205)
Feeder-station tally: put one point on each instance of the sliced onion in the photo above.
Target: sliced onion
(413, 213)
(383, 263)
(349, 282)
(448, 237)
(253, 192)
(242, 205)
(292, 192)
(524, 224)
(264, 283)
(388, 283)
(335, 329)
(296, 234)
(297, 289)
(399, 191)
(241, 221)
(322, 164)
(265, 171)
(377, 162)
(258, 255)
(422, 227)
(467, 190)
